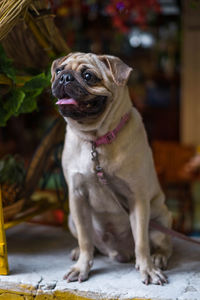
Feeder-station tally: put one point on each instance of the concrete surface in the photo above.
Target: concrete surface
(39, 257)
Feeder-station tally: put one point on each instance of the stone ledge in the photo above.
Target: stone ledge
(39, 257)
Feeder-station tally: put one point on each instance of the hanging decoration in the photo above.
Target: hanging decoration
(124, 13)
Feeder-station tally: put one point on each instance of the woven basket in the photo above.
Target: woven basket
(12, 210)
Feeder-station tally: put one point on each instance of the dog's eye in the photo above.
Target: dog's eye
(90, 78)
(58, 70)
(87, 76)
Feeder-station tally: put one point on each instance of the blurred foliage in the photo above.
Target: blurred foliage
(14, 99)
(12, 177)
(12, 170)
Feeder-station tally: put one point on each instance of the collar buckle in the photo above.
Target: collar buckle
(110, 136)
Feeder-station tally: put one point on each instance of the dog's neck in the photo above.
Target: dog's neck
(116, 109)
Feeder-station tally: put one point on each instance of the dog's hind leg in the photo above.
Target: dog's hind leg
(161, 245)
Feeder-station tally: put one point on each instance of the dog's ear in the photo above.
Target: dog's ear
(54, 66)
(119, 70)
(56, 63)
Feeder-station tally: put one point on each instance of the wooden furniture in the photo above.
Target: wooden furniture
(190, 73)
(170, 158)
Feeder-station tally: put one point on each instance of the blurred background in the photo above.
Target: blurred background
(160, 39)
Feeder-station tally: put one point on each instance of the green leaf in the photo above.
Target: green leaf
(4, 116)
(36, 84)
(22, 99)
(29, 104)
(6, 65)
(13, 103)
(32, 89)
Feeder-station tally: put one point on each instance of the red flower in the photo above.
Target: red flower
(126, 12)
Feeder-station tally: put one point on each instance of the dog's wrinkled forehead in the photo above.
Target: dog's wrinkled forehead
(75, 60)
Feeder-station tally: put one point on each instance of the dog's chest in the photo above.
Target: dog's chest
(77, 159)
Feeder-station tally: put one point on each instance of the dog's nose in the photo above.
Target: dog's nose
(66, 78)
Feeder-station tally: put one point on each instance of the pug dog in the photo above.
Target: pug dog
(108, 166)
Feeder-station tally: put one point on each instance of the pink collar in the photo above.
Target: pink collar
(110, 136)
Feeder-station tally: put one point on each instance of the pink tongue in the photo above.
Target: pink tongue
(67, 101)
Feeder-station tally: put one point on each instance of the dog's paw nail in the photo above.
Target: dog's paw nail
(165, 280)
(160, 282)
(66, 277)
(154, 276)
(83, 277)
(137, 267)
(146, 281)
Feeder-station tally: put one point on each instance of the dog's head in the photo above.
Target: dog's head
(84, 84)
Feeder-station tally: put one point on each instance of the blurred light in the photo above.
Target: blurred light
(134, 39)
(147, 40)
(138, 38)
(169, 7)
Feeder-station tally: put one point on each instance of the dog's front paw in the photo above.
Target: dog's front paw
(78, 272)
(151, 274)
